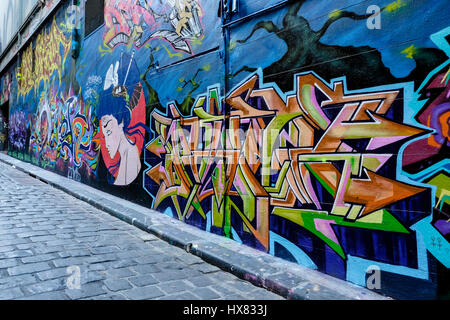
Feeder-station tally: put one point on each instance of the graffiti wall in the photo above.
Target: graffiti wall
(316, 134)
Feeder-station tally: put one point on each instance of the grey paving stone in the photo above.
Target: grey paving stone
(10, 282)
(205, 268)
(11, 293)
(124, 263)
(240, 285)
(73, 261)
(153, 258)
(143, 293)
(264, 295)
(170, 275)
(142, 281)
(191, 259)
(45, 286)
(223, 291)
(172, 265)
(92, 276)
(42, 227)
(205, 293)
(117, 260)
(39, 258)
(146, 268)
(180, 296)
(175, 286)
(54, 295)
(102, 258)
(6, 263)
(99, 266)
(202, 281)
(116, 296)
(86, 291)
(16, 254)
(6, 248)
(120, 273)
(32, 234)
(28, 268)
(117, 284)
(235, 297)
(55, 242)
(48, 249)
(53, 274)
(42, 238)
(74, 253)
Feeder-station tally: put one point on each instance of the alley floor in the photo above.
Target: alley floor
(56, 247)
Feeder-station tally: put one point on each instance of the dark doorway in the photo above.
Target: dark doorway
(4, 117)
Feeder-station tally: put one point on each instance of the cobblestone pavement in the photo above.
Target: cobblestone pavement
(51, 242)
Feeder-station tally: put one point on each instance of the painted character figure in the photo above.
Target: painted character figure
(122, 122)
(114, 127)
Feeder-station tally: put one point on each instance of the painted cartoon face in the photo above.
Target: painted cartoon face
(112, 132)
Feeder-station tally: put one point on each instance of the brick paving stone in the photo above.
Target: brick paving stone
(146, 268)
(264, 295)
(11, 293)
(6, 263)
(124, 263)
(222, 290)
(53, 274)
(102, 250)
(45, 286)
(86, 291)
(54, 295)
(170, 275)
(16, 254)
(143, 293)
(74, 253)
(205, 268)
(28, 268)
(72, 261)
(117, 284)
(32, 234)
(175, 286)
(202, 281)
(180, 296)
(240, 285)
(10, 282)
(121, 273)
(39, 258)
(205, 293)
(91, 276)
(6, 248)
(142, 281)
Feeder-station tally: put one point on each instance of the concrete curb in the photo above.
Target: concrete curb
(284, 278)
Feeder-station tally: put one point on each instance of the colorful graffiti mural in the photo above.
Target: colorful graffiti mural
(311, 156)
(5, 87)
(122, 121)
(62, 132)
(18, 130)
(35, 70)
(135, 23)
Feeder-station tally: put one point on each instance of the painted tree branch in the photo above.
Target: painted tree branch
(340, 15)
(269, 26)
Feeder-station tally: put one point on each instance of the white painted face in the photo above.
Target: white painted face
(112, 131)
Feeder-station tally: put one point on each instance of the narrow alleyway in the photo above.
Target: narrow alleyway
(54, 246)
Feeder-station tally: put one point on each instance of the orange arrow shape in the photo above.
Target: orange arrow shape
(377, 192)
